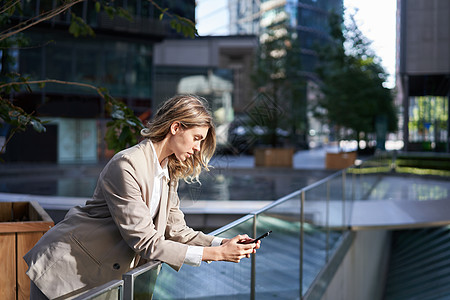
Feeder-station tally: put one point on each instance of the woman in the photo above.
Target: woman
(134, 215)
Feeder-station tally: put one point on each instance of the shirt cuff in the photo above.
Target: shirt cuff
(194, 256)
(217, 241)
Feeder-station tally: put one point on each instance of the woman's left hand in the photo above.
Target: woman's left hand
(246, 240)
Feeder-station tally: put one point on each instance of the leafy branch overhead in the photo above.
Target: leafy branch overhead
(124, 127)
(180, 24)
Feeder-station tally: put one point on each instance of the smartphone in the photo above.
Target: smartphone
(259, 237)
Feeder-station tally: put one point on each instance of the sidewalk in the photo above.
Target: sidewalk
(303, 160)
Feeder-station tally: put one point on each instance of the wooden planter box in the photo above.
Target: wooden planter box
(274, 157)
(22, 224)
(340, 160)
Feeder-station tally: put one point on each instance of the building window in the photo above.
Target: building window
(428, 117)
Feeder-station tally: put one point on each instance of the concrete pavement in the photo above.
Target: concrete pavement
(303, 160)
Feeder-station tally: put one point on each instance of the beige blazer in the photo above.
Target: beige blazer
(98, 242)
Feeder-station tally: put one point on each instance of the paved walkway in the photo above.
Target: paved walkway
(305, 159)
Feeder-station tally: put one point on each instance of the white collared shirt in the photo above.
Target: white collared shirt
(161, 171)
(194, 254)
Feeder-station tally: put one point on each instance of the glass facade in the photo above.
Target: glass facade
(428, 117)
(119, 58)
(122, 67)
(244, 16)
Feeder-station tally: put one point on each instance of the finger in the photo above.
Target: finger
(247, 247)
(238, 238)
(245, 239)
(258, 244)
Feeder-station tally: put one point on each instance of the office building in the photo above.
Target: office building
(423, 73)
(308, 21)
(119, 58)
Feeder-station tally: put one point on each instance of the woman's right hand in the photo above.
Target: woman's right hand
(232, 250)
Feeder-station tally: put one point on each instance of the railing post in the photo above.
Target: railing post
(343, 197)
(129, 279)
(328, 221)
(353, 185)
(302, 222)
(128, 287)
(253, 268)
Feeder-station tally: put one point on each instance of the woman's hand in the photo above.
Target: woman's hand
(232, 250)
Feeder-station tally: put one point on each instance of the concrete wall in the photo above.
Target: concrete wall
(363, 271)
(427, 36)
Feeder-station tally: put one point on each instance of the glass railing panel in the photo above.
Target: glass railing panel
(112, 290)
(209, 281)
(277, 263)
(322, 227)
(339, 205)
(355, 177)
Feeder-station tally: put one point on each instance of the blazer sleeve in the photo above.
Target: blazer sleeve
(122, 192)
(176, 228)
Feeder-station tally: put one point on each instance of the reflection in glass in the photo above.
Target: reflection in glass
(209, 281)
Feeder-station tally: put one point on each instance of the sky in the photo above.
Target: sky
(376, 19)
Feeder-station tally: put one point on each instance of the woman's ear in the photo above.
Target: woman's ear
(174, 127)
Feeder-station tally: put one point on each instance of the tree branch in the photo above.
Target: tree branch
(4, 9)
(86, 85)
(36, 20)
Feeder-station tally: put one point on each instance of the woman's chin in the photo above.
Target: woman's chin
(181, 158)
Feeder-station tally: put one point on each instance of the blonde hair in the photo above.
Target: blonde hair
(190, 111)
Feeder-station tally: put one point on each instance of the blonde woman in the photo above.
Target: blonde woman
(134, 215)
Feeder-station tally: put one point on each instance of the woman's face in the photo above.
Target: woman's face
(186, 141)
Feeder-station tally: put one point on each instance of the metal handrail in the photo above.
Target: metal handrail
(273, 204)
(297, 193)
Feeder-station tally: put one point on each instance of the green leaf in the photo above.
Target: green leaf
(118, 113)
(131, 123)
(79, 27)
(97, 6)
(37, 125)
(41, 85)
(14, 114)
(110, 11)
(103, 90)
(23, 120)
(74, 29)
(125, 14)
(125, 135)
(28, 88)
